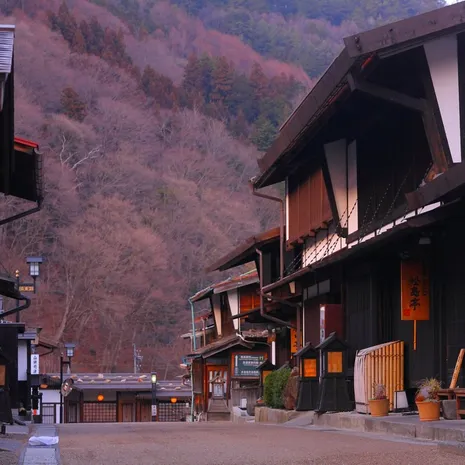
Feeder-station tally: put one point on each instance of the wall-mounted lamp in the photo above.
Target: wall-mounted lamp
(292, 287)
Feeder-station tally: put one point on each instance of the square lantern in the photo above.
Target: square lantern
(333, 392)
(265, 368)
(309, 375)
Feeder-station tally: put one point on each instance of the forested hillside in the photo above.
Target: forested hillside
(307, 33)
(150, 116)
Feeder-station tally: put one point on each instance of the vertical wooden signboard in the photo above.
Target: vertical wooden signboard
(415, 293)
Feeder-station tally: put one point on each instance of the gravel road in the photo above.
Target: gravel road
(230, 444)
(10, 448)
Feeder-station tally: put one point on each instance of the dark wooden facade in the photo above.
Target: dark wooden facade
(359, 157)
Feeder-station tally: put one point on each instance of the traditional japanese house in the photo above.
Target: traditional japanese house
(113, 397)
(225, 367)
(279, 309)
(372, 161)
(20, 176)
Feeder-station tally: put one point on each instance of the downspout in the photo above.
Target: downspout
(27, 304)
(262, 309)
(194, 346)
(281, 225)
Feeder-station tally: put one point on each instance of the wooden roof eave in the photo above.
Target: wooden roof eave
(392, 38)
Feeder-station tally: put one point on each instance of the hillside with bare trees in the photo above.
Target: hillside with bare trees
(150, 121)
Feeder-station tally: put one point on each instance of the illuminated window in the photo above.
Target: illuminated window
(309, 368)
(334, 362)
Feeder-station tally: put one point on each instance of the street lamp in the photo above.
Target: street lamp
(69, 346)
(34, 271)
(153, 378)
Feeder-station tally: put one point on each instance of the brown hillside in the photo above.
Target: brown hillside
(137, 200)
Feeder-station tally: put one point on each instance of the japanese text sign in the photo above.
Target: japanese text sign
(415, 292)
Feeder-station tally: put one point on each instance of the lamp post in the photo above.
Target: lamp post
(34, 271)
(69, 346)
(154, 396)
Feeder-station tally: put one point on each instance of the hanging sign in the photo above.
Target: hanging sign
(415, 294)
(34, 364)
(294, 348)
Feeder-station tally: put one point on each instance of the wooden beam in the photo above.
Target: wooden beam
(383, 93)
(457, 369)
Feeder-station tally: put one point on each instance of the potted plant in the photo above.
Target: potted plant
(379, 403)
(427, 399)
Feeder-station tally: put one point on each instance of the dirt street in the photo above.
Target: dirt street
(230, 444)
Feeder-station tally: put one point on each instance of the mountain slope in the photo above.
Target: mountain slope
(137, 199)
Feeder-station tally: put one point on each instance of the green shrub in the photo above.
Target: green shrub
(275, 383)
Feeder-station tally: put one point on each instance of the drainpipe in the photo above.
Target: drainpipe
(194, 346)
(281, 225)
(262, 309)
(27, 304)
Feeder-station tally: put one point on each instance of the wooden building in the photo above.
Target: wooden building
(279, 309)
(224, 364)
(20, 176)
(372, 161)
(113, 397)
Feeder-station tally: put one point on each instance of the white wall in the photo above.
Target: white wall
(51, 396)
(337, 166)
(444, 69)
(22, 360)
(352, 193)
(324, 244)
(233, 298)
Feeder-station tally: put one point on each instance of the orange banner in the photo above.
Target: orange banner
(415, 293)
(294, 341)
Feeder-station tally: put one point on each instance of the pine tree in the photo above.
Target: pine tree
(263, 133)
(96, 37)
(72, 105)
(222, 77)
(159, 87)
(206, 76)
(259, 81)
(66, 23)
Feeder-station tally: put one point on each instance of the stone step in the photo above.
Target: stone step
(218, 416)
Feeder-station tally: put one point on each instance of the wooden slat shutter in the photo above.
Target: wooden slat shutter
(308, 204)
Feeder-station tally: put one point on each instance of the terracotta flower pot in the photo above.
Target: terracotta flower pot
(379, 407)
(429, 410)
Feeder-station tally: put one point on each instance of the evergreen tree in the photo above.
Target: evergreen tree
(72, 105)
(259, 81)
(222, 80)
(96, 37)
(263, 133)
(192, 80)
(159, 87)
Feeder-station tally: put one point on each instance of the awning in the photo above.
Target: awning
(8, 288)
(221, 345)
(244, 279)
(320, 103)
(447, 186)
(20, 160)
(418, 221)
(245, 252)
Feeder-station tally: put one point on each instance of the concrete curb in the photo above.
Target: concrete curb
(445, 431)
(456, 448)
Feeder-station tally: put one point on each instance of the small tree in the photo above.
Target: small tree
(72, 105)
(275, 384)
